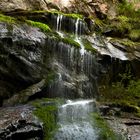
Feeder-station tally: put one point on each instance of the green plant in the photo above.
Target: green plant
(127, 9)
(104, 130)
(135, 35)
(133, 89)
(46, 111)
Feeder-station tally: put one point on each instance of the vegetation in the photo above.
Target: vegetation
(128, 10)
(72, 15)
(7, 19)
(46, 111)
(40, 25)
(88, 46)
(135, 35)
(105, 132)
(126, 97)
(71, 42)
(126, 42)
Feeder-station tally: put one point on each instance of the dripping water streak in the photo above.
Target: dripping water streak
(59, 24)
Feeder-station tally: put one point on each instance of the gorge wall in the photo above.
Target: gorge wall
(65, 49)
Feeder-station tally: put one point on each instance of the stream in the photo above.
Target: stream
(74, 121)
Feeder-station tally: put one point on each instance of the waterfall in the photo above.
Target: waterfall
(77, 35)
(74, 121)
(59, 24)
(76, 27)
(59, 21)
(75, 78)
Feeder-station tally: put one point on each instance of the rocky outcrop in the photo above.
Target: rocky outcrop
(21, 58)
(21, 5)
(21, 124)
(29, 55)
(97, 8)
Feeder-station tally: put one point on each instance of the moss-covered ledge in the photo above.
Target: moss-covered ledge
(7, 19)
(55, 12)
(50, 17)
(12, 20)
(46, 110)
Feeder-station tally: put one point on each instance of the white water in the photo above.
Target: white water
(77, 38)
(59, 24)
(74, 121)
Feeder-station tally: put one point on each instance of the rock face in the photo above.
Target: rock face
(21, 124)
(14, 5)
(89, 7)
(29, 55)
(21, 58)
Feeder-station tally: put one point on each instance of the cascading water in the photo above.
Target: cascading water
(74, 121)
(77, 33)
(58, 24)
(76, 78)
(76, 66)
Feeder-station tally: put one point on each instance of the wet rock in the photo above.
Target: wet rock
(68, 21)
(21, 124)
(21, 57)
(125, 126)
(104, 109)
(30, 93)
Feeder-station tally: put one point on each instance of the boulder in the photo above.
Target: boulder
(21, 124)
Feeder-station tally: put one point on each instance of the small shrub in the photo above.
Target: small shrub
(128, 10)
(135, 35)
(105, 131)
(134, 89)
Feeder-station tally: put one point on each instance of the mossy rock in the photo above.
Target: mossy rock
(43, 27)
(88, 46)
(46, 111)
(104, 130)
(7, 19)
(127, 43)
(126, 106)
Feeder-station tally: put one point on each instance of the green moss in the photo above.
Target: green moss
(46, 111)
(40, 25)
(126, 42)
(135, 35)
(7, 19)
(99, 22)
(72, 15)
(105, 132)
(88, 46)
(71, 42)
(127, 98)
(121, 26)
